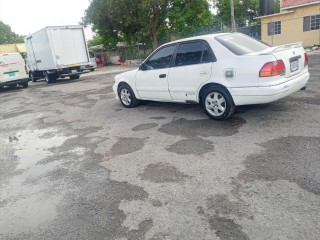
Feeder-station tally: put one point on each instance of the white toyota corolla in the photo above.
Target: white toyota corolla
(219, 71)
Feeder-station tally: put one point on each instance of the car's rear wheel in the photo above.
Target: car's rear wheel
(217, 103)
(25, 85)
(127, 97)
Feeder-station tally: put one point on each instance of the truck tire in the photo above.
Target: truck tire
(31, 77)
(72, 77)
(50, 78)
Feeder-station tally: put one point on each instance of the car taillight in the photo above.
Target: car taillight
(271, 69)
(25, 68)
(306, 59)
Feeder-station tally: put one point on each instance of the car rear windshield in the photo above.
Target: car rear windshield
(241, 44)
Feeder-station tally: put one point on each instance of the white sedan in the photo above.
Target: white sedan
(219, 71)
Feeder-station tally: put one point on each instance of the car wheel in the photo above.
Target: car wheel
(50, 78)
(217, 103)
(72, 77)
(127, 97)
(25, 85)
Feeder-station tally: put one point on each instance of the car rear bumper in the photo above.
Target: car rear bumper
(259, 95)
(14, 82)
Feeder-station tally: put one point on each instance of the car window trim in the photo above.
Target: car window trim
(152, 54)
(206, 44)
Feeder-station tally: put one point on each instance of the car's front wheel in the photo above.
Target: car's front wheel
(217, 103)
(127, 97)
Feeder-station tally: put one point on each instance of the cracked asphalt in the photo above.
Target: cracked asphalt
(75, 164)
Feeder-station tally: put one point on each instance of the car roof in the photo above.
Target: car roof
(201, 37)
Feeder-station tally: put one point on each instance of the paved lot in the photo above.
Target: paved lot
(75, 164)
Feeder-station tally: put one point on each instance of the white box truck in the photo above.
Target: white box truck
(54, 52)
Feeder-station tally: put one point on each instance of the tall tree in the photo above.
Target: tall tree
(146, 20)
(188, 18)
(233, 21)
(7, 36)
(244, 10)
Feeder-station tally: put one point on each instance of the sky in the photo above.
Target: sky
(28, 16)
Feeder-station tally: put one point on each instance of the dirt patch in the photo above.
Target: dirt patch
(227, 229)
(158, 118)
(204, 127)
(140, 233)
(16, 114)
(127, 145)
(195, 146)
(160, 173)
(145, 126)
(221, 205)
(315, 100)
(294, 159)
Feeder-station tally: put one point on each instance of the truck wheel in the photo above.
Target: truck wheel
(50, 78)
(31, 77)
(72, 77)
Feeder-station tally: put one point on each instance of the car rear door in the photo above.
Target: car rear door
(151, 81)
(192, 67)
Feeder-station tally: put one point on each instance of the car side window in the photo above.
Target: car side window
(207, 55)
(189, 53)
(161, 59)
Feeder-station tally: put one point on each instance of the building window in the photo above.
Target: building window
(311, 23)
(274, 28)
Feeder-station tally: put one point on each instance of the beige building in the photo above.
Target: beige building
(12, 48)
(298, 21)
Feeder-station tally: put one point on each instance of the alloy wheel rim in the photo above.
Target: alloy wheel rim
(125, 96)
(215, 104)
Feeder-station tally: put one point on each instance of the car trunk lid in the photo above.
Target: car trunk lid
(292, 56)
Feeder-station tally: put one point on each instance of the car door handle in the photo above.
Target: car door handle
(204, 73)
(162, 75)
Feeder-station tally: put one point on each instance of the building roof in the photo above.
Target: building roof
(285, 4)
(12, 48)
(274, 15)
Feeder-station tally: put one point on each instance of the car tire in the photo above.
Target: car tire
(50, 78)
(25, 85)
(127, 97)
(217, 103)
(73, 77)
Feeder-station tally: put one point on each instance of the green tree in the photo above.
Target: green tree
(148, 21)
(276, 6)
(244, 10)
(188, 18)
(7, 36)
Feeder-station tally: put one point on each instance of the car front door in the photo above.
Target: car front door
(152, 78)
(192, 67)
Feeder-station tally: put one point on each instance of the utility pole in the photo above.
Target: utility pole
(233, 22)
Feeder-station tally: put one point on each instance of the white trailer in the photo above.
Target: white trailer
(54, 52)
